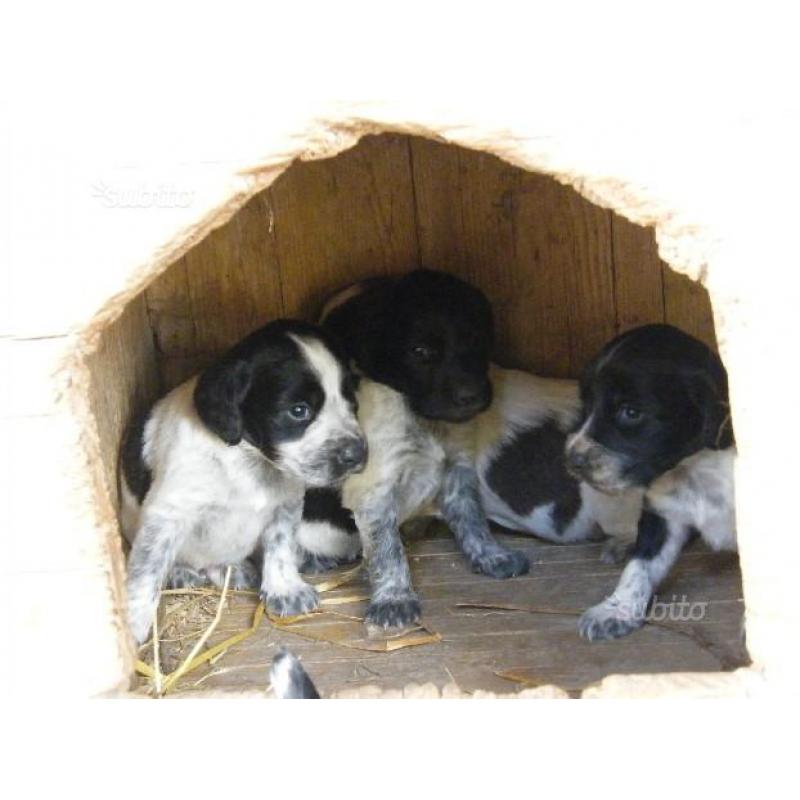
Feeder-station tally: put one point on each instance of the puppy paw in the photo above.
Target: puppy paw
(501, 563)
(608, 620)
(397, 613)
(313, 563)
(140, 623)
(302, 600)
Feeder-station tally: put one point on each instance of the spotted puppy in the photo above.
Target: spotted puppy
(656, 415)
(423, 343)
(525, 485)
(214, 475)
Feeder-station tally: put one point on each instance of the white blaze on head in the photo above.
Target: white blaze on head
(310, 456)
(330, 375)
(580, 441)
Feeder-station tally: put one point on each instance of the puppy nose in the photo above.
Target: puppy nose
(467, 395)
(353, 454)
(577, 461)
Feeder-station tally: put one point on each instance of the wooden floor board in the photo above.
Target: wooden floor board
(479, 645)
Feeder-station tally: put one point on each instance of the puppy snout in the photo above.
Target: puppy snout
(577, 460)
(352, 455)
(470, 394)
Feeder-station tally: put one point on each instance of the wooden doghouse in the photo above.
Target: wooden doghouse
(573, 239)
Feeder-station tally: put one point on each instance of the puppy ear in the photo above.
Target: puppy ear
(360, 325)
(711, 401)
(218, 399)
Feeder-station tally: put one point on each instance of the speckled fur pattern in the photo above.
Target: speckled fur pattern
(216, 502)
(210, 505)
(697, 495)
(656, 415)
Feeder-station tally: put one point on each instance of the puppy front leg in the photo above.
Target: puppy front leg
(461, 508)
(658, 545)
(283, 591)
(394, 604)
(152, 556)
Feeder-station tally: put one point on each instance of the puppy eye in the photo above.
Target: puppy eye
(300, 412)
(628, 415)
(422, 352)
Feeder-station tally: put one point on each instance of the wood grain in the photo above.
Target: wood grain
(638, 275)
(563, 275)
(339, 220)
(124, 380)
(688, 306)
(479, 643)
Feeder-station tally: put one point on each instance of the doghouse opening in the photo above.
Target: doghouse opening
(564, 276)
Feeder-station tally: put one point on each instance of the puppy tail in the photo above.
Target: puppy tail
(289, 680)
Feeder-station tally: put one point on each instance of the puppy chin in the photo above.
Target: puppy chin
(606, 476)
(603, 473)
(437, 413)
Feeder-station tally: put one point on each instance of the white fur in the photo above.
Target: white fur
(698, 493)
(324, 539)
(405, 457)
(211, 504)
(334, 420)
(225, 490)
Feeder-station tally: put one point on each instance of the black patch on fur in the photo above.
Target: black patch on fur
(428, 335)
(530, 471)
(137, 474)
(651, 536)
(325, 505)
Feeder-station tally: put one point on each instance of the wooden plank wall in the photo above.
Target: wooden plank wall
(124, 381)
(563, 275)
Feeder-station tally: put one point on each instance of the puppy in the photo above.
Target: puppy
(216, 472)
(519, 444)
(423, 343)
(656, 416)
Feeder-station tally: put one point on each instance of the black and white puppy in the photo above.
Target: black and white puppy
(423, 343)
(519, 445)
(216, 472)
(656, 415)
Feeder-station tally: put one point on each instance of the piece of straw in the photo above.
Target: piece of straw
(178, 673)
(339, 580)
(156, 661)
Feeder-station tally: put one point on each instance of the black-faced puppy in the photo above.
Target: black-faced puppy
(656, 415)
(423, 343)
(217, 470)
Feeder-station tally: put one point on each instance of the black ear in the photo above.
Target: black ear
(218, 398)
(711, 399)
(361, 324)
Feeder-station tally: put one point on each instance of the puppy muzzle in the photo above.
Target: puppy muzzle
(592, 463)
(350, 456)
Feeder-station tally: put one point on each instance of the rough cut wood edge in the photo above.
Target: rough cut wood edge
(743, 683)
